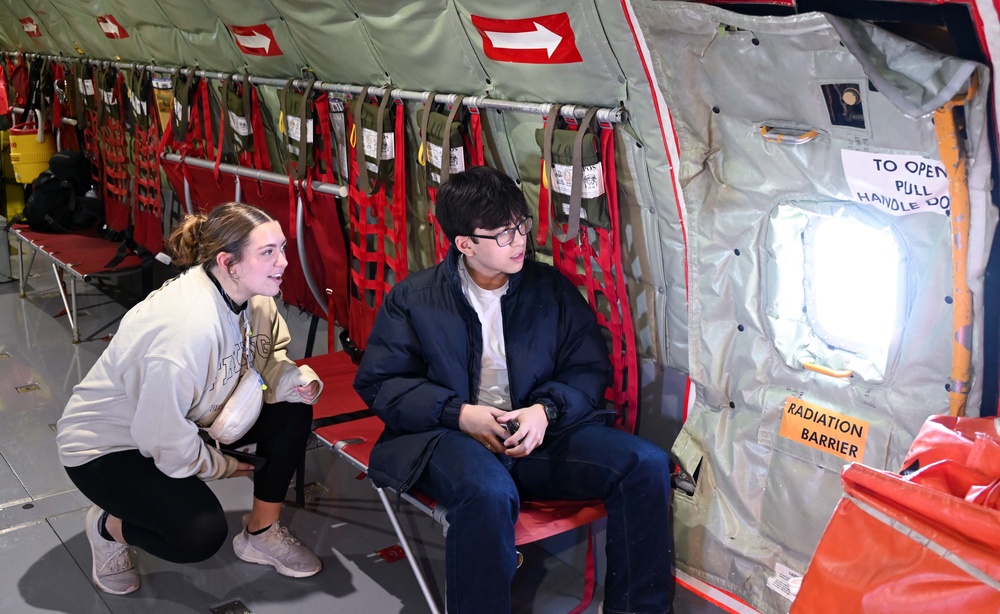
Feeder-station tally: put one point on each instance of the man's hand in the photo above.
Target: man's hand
(533, 423)
(480, 423)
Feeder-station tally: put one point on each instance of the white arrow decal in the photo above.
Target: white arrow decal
(257, 41)
(541, 38)
(30, 27)
(109, 28)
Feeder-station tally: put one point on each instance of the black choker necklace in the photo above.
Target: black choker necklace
(237, 309)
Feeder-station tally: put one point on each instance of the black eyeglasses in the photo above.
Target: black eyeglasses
(506, 237)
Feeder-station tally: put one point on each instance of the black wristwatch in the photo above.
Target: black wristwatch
(550, 410)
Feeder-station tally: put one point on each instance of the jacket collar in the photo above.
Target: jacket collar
(451, 265)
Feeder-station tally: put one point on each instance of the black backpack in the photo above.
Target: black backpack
(57, 199)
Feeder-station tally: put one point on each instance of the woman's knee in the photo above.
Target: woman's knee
(292, 420)
(200, 537)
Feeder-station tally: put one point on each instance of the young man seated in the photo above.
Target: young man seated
(489, 371)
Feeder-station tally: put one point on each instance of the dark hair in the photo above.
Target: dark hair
(480, 197)
(198, 238)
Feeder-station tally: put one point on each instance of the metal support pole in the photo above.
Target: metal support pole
(417, 572)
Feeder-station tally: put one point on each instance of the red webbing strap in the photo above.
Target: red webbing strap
(377, 238)
(173, 170)
(441, 244)
(589, 574)
(4, 102)
(114, 158)
(323, 238)
(149, 206)
(477, 155)
(206, 185)
(68, 135)
(322, 212)
(203, 129)
(603, 278)
(627, 395)
(20, 82)
(88, 118)
(259, 158)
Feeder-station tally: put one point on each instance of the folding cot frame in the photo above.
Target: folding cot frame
(81, 256)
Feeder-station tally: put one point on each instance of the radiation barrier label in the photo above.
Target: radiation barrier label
(824, 429)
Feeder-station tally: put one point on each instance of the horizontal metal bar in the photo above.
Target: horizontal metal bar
(251, 173)
(69, 121)
(604, 114)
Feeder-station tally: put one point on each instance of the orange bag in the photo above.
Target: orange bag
(926, 542)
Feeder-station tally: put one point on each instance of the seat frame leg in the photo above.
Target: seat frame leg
(417, 572)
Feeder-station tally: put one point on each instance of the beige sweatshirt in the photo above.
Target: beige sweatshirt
(174, 361)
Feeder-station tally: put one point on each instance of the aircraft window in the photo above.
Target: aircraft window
(835, 285)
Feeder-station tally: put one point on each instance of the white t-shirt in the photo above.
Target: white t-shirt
(494, 387)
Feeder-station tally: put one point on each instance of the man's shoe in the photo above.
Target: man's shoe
(113, 570)
(277, 547)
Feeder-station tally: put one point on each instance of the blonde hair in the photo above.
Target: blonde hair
(198, 238)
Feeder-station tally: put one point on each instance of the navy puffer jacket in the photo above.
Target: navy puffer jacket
(422, 361)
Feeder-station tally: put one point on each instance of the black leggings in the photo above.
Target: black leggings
(180, 519)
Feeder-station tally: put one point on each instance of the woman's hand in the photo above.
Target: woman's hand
(242, 469)
(308, 393)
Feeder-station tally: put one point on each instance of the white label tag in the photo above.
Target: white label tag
(239, 124)
(896, 184)
(457, 158)
(295, 129)
(593, 180)
(86, 86)
(388, 144)
(178, 108)
(779, 582)
(138, 105)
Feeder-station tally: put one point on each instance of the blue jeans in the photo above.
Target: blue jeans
(483, 491)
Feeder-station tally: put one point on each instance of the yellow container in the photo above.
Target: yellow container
(15, 199)
(28, 156)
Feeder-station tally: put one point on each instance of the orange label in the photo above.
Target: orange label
(823, 429)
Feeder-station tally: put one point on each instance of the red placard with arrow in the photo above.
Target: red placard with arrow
(546, 39)
(255, 40)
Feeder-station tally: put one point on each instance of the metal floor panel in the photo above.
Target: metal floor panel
(11, 489)
(39, 355)
(39, 575)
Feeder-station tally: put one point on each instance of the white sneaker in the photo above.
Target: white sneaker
(279, 548)
(113, 570)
